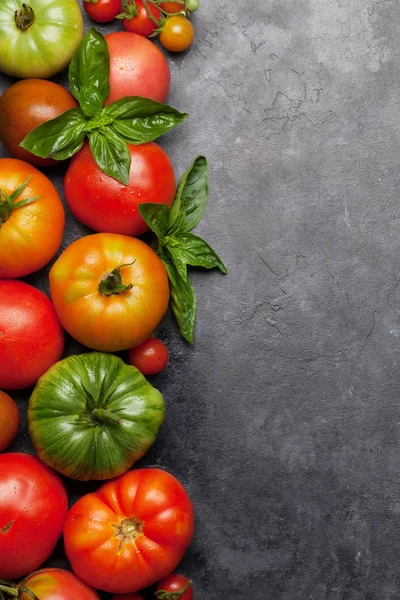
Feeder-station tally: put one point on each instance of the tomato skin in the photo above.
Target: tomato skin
(57, 584)
(137, 67)
(102, 11)
(24, 106)
(142, 24)
(150, 357)
(33, 508)
(152, 511)
(9, 420)
(103, 204)
(172, 7)
(41, 222)
(177, 34)
(175, 583)
(116, 322)
(31, 337)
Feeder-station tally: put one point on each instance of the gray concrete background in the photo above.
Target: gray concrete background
(283, 419)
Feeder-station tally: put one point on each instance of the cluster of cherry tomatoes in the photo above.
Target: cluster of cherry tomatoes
(150, 18)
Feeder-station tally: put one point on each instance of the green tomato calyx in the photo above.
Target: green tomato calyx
(111, 282)
(24, 17)
(130, 10)
(8, 204)
(128, 530)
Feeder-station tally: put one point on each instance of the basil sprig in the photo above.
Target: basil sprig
(110, 128)
(177, 247)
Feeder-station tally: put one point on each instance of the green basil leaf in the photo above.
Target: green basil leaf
(191, 198)
(178, 259)
(194, 251)
(141, 120)
(111, 154)
(157, 217)
(89, 72)
(58, 138)
(183, 300)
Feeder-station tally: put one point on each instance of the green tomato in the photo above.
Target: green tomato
(192, 5)
(92, 416)
(38, 39)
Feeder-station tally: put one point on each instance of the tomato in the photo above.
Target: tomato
(175, 587)
(103, 204)
(177, 34)
(30, 234)
(150, 357)
(24, 106)
(9, 420)
(130, 533)
(31, 338)
(173, 7)
(110, 291)
(126, 597)
(38, 39)
(192, 5)
(102, 11)
(33, 508)
(51, 584)
(137, 67)
(140, 22)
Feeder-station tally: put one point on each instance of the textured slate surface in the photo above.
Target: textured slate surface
(283, 419)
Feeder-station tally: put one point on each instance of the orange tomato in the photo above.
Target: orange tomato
(9, 420)
(110, 291)
(172, 7)
(177, 34)
(30, 234)
(56, 584)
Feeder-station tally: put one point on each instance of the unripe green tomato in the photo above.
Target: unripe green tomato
(192, 5)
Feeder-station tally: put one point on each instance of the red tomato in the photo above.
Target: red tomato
(173, 7)
(102, 11)
(104, 204)
(9, 420)
(126, 597)
(56, 584)
(33, 508)
(176, 586)
(142, 23)
(131, 533)
(177, 34)
(137, 67)
(150, 357)
(31, 337)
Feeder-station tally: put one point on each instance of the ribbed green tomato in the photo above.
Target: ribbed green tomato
(92, 416)
(39, 37)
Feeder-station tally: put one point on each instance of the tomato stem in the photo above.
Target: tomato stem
(24, 17)
(130, 10)
(106, 416)
(8, 204)
(111, 282)
(149, 14)
(11, 589)
(164, 595)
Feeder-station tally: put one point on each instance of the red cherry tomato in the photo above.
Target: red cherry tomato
(102, 11)
(177, 34)
(176, 586)
(140, 22)
(173, 7)
(150, 357)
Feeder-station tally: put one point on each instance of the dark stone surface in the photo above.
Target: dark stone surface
(283, 419)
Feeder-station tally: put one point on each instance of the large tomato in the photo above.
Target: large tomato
(104, 204)
(50, 584)
(33, 508)
(26, 105)
(110, 291)
(130, 533)
(31, 233)
(137, 67)
(39, 37)
(31, 338)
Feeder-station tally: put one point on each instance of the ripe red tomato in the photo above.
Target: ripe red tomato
(56, 584)
(104, 204)
(24, 106)
(9, 420)
(142, 24)
(31, 337)
(33, 508)
(137, 67)
(177, 34)
(131, 533)
(150, 357)
(102, 11)
(176, 586)
(173, 7)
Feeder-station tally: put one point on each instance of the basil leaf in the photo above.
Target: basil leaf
(58, 138)
(111, 154)
(194, 251)
(141, 120)
(89, 72)
(157, 217)
(191, 198)
(179, 260)
(183, 300)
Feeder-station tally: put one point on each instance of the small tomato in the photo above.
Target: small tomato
(102, 11)
(136, 19)
(150, 357)
(177, 34)
(175, 587)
